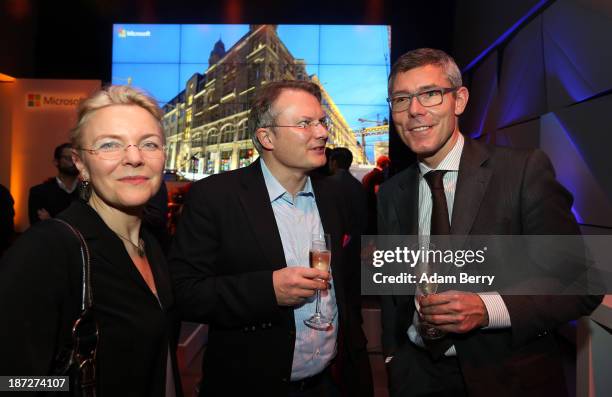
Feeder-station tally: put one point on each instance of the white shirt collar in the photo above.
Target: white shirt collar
(65, 188)
(450, 162)
(275, 189)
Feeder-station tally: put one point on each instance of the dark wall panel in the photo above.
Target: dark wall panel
(547, 85)
(577, 38)
(592, 203)
(522, 85)
(482, 84)
(589, 126)
(524, 135)
(478, 23)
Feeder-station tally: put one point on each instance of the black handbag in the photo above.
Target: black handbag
(77, 359)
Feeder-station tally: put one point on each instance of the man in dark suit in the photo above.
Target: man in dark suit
(240, 262)
(55, 194)
(495, 344)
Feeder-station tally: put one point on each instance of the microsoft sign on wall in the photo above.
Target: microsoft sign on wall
(38, 100)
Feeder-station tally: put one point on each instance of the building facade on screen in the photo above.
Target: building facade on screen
(206, 123)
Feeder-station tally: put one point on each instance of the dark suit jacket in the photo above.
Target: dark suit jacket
(226, 247)
(500, 191)
(50, 196)
(40, 297)
(355, 200)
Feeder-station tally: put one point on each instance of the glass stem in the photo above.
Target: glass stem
(318, 303)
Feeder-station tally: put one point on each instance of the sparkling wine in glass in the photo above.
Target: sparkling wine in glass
(429, 287)
(320, 258)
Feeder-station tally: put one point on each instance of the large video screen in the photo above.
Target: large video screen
(204, 75)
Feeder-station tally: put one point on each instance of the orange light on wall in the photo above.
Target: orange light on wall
(5, 78)
(18, 186)
(41, 115)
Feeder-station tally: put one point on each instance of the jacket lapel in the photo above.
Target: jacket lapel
(157, 262)
(472, 183)
(103, 241)
(255, 200)
(331, 219)
(406, 202)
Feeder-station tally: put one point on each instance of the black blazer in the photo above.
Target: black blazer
(40, 297)
(50, 196)
(500, 191)
(226, 247)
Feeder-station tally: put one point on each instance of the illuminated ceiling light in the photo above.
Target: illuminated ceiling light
(5, 78)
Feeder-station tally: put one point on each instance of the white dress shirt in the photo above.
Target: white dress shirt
(496, 308)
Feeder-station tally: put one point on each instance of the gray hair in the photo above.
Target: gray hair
(427, 56)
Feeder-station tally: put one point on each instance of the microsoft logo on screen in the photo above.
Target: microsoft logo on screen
(133, 33)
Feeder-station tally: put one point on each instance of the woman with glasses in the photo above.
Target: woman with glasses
(118, 148)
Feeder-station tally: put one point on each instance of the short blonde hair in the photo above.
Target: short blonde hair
(113, 95)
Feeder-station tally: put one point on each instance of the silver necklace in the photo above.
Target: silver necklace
(140, 248)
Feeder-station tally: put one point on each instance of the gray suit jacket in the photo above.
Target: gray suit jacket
(500, 191)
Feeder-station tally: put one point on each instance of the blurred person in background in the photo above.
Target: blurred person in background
(371, 182)
(7, 215)
(55, 194)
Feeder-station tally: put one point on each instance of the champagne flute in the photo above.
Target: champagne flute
(425, 267)
(320, 258)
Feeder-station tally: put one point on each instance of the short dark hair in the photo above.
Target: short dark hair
(261, 110)
(57, 153)
(342, 156)
(426, 56)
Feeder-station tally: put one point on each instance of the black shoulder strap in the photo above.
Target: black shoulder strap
(78, 359)
(86, 295)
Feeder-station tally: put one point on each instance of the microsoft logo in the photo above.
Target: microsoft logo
(122, 33)
(44, 101)
(33, 100)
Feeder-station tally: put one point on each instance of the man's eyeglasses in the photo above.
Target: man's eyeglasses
(399, 103)
(311, 124)
(115, 150)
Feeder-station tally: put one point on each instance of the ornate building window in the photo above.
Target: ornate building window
(196, 141)
(227, 133)
(198, 120)
(213, 137)
(242, 131)
(198, 104)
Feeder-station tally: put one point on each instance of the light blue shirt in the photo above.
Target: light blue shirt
(297, 219)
